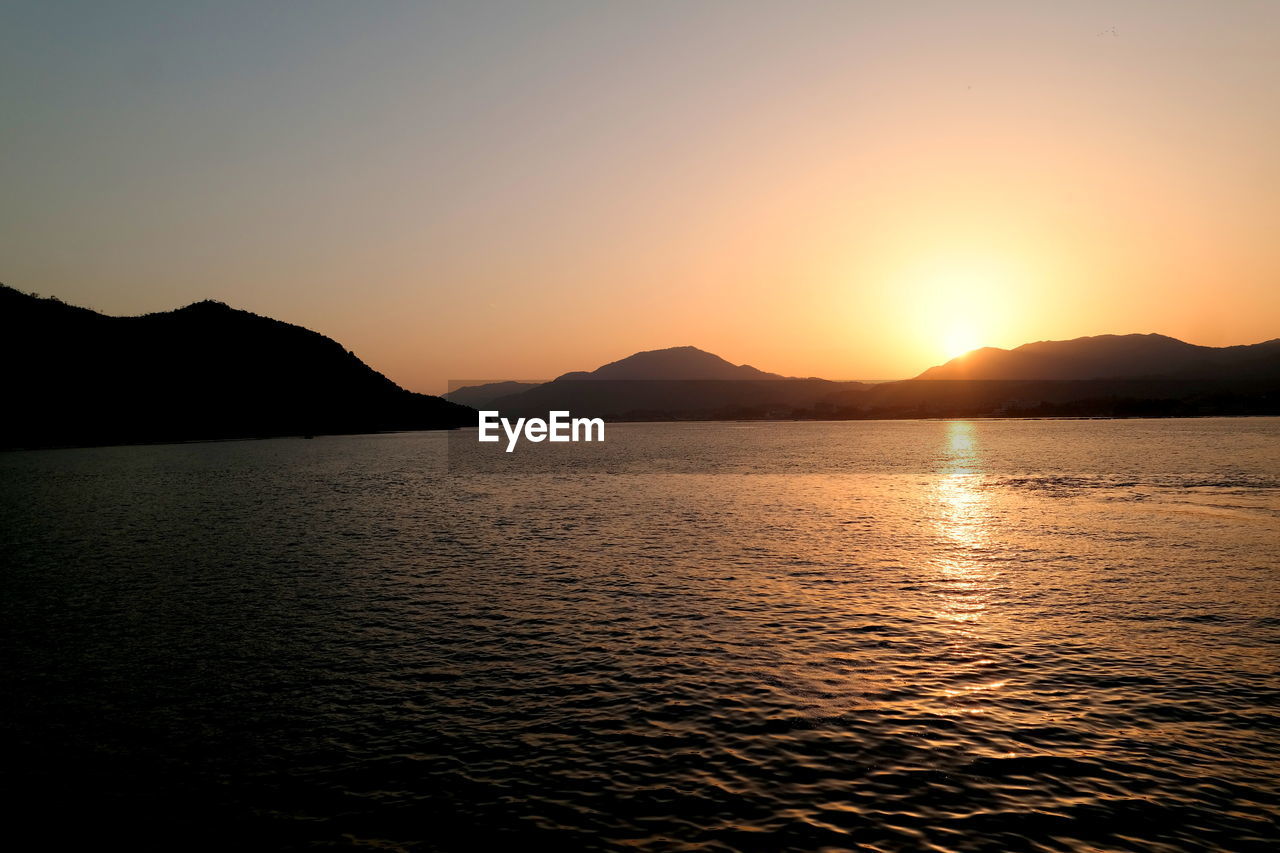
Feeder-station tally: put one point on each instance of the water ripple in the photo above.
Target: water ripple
(340, 644)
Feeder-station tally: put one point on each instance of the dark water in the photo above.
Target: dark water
(876, 636)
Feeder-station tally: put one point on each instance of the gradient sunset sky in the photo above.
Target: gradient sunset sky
(484, 190)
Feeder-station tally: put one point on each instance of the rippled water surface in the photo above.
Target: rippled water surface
(1000, 635)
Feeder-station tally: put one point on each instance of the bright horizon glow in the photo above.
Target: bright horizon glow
(959, 341)
(950, 302)
(847, 190)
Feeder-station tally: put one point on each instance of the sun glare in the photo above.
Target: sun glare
(956, 301)
(959, 340)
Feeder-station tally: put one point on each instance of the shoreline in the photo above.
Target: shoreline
(937, 418)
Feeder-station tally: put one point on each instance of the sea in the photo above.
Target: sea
(987, 635)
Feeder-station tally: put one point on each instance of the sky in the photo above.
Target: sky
(485, 190)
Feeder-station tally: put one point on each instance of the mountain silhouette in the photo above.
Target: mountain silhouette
(1102, 376)
(480, 396)
(673, 363)
(206, 371)
(1113, 357)
(676, 383)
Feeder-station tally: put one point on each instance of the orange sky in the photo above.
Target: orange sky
(476, 191)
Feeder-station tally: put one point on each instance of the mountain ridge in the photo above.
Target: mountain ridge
(203, 371)
(208, 370)
(1093, 376)
(671, 363)
(1130, 356)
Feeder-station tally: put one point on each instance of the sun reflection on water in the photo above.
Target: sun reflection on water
(962, 520)
(963, 583)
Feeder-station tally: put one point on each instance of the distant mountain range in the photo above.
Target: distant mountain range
(75, 377)
(209, 371)
(674, 363)
(1113, 357)
(1107, 375)
(480, 396)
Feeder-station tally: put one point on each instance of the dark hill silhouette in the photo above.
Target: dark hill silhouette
(675, 383)
(482, 395)
(206, 371)
(1113, 357)
(1106, 376)
(673, 363)
(669, 365)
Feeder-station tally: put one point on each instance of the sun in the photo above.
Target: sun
(960, 339)
(951, 301)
